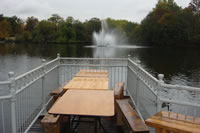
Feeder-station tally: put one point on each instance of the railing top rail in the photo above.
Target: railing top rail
(4, 82)
(152, 77)
(52, 61)
(180, 87)
(35, 69)
(75, 58)
(31, 71)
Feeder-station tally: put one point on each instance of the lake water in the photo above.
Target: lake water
(179, 65)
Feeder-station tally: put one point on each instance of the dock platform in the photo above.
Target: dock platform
(108, 123)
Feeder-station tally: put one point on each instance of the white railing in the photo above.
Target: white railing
(151, 95)
(24, 98)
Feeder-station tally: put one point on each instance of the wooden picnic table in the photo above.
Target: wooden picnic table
(85, 102)
(87, 83)
(166, 122)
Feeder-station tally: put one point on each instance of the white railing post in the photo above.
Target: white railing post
(160, 81)
(43, 86)
(12, 101)
(58, 70)
(126, 80)
(137, 84)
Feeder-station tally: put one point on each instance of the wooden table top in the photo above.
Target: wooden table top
(85, 102)
(174, 122)
(94, 70)
(92, 74)
(87, 83)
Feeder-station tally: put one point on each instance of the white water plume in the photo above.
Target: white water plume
(107, 37)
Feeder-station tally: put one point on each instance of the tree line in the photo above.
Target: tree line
(167, 24)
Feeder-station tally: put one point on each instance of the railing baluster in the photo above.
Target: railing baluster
(43, 87)
(58, 70)
(160, 77)
(13, 100)
(2, 116)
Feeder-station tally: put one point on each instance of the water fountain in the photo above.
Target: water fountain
(109, 42)
(107, 37)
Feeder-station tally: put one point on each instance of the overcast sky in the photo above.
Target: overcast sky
(132, 10)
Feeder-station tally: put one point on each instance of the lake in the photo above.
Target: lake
(180, 65)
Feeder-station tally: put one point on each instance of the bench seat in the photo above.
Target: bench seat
(130, 117)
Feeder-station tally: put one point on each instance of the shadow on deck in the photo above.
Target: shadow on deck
(108, 123)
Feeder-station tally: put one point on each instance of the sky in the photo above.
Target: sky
(132, 10)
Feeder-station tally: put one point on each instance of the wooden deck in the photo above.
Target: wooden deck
(109, 125)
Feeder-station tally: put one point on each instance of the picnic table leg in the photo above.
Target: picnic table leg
(100, 124)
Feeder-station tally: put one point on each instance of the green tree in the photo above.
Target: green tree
(163, 26)
(125, 27)
(195, 6)
(70, 20)
(31, 23)
(94, 24)
(45, 32)
(65, 32)
(79, 30)
(55, 18)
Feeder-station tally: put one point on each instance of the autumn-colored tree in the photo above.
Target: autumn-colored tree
(163, 25)
(5, 29)
(16, 24)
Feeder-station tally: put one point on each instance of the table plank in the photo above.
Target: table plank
(85, 102)
(92, 73)
(94, 70)
(87, 83)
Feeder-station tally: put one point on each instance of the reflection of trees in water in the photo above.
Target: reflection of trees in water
(45, 50)
(20, 49)
(173, 62)
(180, 65)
